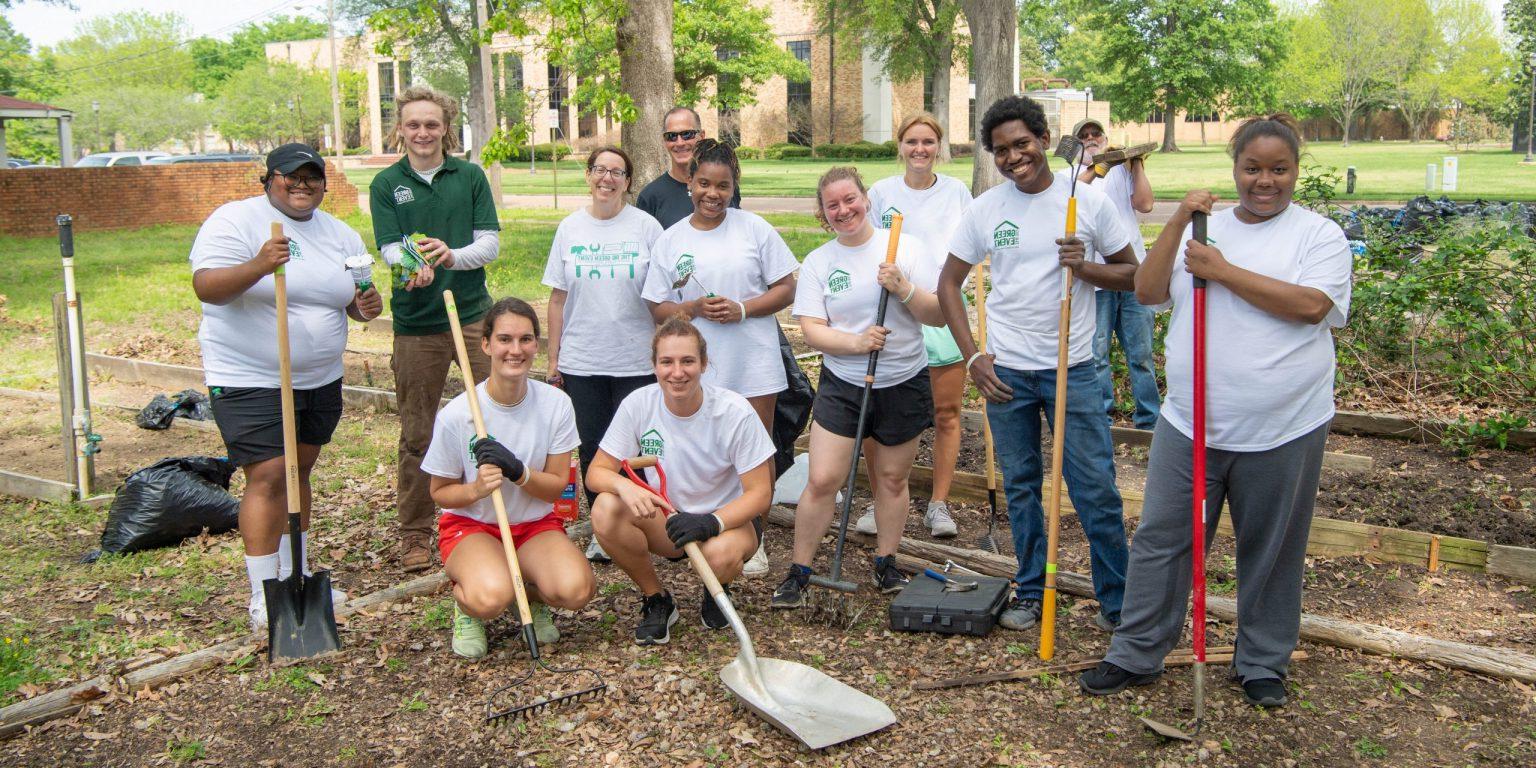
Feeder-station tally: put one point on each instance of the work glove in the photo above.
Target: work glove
(488, 451)
(684, 529)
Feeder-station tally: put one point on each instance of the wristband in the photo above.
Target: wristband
(522, 481)
(743, 309)
(972, 359)
(718, 521)
(910, 293)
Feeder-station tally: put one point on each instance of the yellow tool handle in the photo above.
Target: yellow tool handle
(981, 332)
(890, 245)
(524, 613)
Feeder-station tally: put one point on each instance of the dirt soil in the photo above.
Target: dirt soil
(31, 443)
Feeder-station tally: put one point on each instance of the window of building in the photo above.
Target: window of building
(1157, 116)
(728, 85)
(798, 98)
(586, 121)
(1210, 118)
(509, 101)
(557, 94)
(405, 74)
(387, 93)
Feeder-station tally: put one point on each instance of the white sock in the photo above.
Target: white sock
(259, 569)
(285, 554)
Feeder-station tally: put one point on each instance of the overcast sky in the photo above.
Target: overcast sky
(48, 24)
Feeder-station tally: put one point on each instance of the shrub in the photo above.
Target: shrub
(861, 150)
(794, 152)
(519, 154)
(962, 149)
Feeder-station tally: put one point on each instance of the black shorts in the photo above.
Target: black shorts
(757, 528)
(897, 413)
(250, 419)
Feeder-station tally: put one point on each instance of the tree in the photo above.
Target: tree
(993, 24)
(912, 39)
(645, 68)
(1185, 56)
(215, 60)
(269, 103)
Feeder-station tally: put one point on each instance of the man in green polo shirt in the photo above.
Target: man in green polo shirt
(447, 200)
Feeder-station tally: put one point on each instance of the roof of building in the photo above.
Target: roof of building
(14, 107)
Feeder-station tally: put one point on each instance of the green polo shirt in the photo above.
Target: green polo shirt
(457, 202)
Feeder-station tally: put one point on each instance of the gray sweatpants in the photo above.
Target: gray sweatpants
(1271, 494)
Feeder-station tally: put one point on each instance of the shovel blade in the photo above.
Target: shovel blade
(301, 621)
(805, 703)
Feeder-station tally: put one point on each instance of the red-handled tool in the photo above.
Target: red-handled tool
(1197, 222)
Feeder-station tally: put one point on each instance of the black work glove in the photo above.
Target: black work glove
(684, 528)
(488, 451)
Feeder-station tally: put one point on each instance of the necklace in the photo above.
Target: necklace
(507, 405)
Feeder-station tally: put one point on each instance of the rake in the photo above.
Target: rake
(589, 683)
(988, 542)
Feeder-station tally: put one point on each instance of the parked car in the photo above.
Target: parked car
(17, 162)
(221, 157)
(104, 159)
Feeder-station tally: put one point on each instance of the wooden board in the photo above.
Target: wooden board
(1513, 563)
(27, 486)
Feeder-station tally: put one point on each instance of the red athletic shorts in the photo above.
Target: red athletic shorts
(451, 529)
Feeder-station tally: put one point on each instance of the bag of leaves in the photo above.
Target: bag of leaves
(159, 414)
(171, 500)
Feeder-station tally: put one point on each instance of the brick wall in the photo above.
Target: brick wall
(136, 196)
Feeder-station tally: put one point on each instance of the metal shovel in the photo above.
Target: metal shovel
(803, 702)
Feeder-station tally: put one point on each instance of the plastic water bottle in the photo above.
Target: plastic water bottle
(566, 507)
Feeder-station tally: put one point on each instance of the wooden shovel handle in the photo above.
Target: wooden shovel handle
(285, 384)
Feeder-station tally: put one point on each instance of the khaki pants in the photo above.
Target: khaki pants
(421, 365)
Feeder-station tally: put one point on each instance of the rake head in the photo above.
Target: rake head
(505, 704)
(1068, 148)
(988, 540)
(836, 610)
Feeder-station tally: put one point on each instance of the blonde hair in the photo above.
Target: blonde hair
(921, 118)
(835, 174)
(425, 93)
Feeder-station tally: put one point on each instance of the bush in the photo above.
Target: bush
(519, 154)
(861, 150)
(749, 153)
(793, 152)
(962, 149)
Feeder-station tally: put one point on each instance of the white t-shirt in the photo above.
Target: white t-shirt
(601, 265)
(738, 260)
(1268, 380)
(704, 455)
(1118, 186)
(838, 284)
(1020, 231)
(929, 215)
(239, 339)
(542, 425)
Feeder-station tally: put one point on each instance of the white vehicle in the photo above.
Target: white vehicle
(105, 159)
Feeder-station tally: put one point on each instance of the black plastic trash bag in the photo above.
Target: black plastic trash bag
(792, 411)
(171, 500)
(161, 411)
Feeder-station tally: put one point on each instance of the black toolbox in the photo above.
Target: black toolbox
(924, 606)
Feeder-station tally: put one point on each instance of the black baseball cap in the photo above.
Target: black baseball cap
(290, 157)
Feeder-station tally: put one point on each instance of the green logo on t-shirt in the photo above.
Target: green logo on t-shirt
(684, 265)
(885, 216)
(651, 444)
(611, 260)
(1005, 235)
(294, 254)
(838, 282)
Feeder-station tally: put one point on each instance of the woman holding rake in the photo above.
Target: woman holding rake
(526, 457)
(719, 462)
(837, 300)
(1278, 282)
(930, 205)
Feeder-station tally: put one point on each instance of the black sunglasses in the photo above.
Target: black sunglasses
(680, 135)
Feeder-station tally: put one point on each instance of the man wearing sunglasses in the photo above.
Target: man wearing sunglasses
(666, 198)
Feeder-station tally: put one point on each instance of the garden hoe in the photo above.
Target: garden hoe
(988, 542)
(840, 613)
(574, 684)
(301, 621)
(1069, 149)
(803, 702)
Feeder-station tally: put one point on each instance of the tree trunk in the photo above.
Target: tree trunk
(1170, 126)
(1349, 117)
(479, 127)
(992, 24)
(645, 70)
(942, 69)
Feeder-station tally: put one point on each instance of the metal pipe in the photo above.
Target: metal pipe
(82, 417)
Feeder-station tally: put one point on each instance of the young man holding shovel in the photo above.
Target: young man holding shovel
(447, 210)
(1020, 223)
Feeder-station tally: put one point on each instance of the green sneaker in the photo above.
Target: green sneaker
(468, 634)
(544, 629)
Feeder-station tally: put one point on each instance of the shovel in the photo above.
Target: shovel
(301, 622)
(801, 701)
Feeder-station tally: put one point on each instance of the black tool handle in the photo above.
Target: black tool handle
(1197, 222)
(66, 235)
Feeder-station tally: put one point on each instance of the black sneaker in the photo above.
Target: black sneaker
(791, 592)
(1266, 692)
(887, 578)
(710, 613)
(1107, 679)
(658, 613)
(1020, 615)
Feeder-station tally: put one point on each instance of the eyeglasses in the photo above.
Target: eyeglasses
(311, 183)
(680, 135)
(599, 171)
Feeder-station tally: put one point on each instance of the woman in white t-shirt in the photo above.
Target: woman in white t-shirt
(1278, 284)
(931, 206)
(233, 259)
(837, 302)
(719, 464)
(598, 324)
(526, 457)
(729, 270)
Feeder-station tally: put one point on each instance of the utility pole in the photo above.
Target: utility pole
(487, 101)
(336, 137)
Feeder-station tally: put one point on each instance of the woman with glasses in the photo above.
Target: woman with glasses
(599, 327)
(233, 259)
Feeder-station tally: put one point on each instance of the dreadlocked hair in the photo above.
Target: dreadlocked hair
(713, 151)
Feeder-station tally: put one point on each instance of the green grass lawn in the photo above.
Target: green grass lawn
(1387, 171)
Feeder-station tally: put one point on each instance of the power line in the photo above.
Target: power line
(188, 41)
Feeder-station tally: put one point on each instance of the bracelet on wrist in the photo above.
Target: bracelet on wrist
(743, 308)
(522, 481)
(972, 359)
(910, 293)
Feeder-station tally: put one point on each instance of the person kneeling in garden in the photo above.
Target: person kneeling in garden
(524, 421)
(719, 464)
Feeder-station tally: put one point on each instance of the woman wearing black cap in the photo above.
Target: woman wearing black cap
(233, 259)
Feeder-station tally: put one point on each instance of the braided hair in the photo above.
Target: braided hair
(713, 151)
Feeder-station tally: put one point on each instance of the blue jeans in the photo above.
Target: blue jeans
(1088, 464)
(1122, 315)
